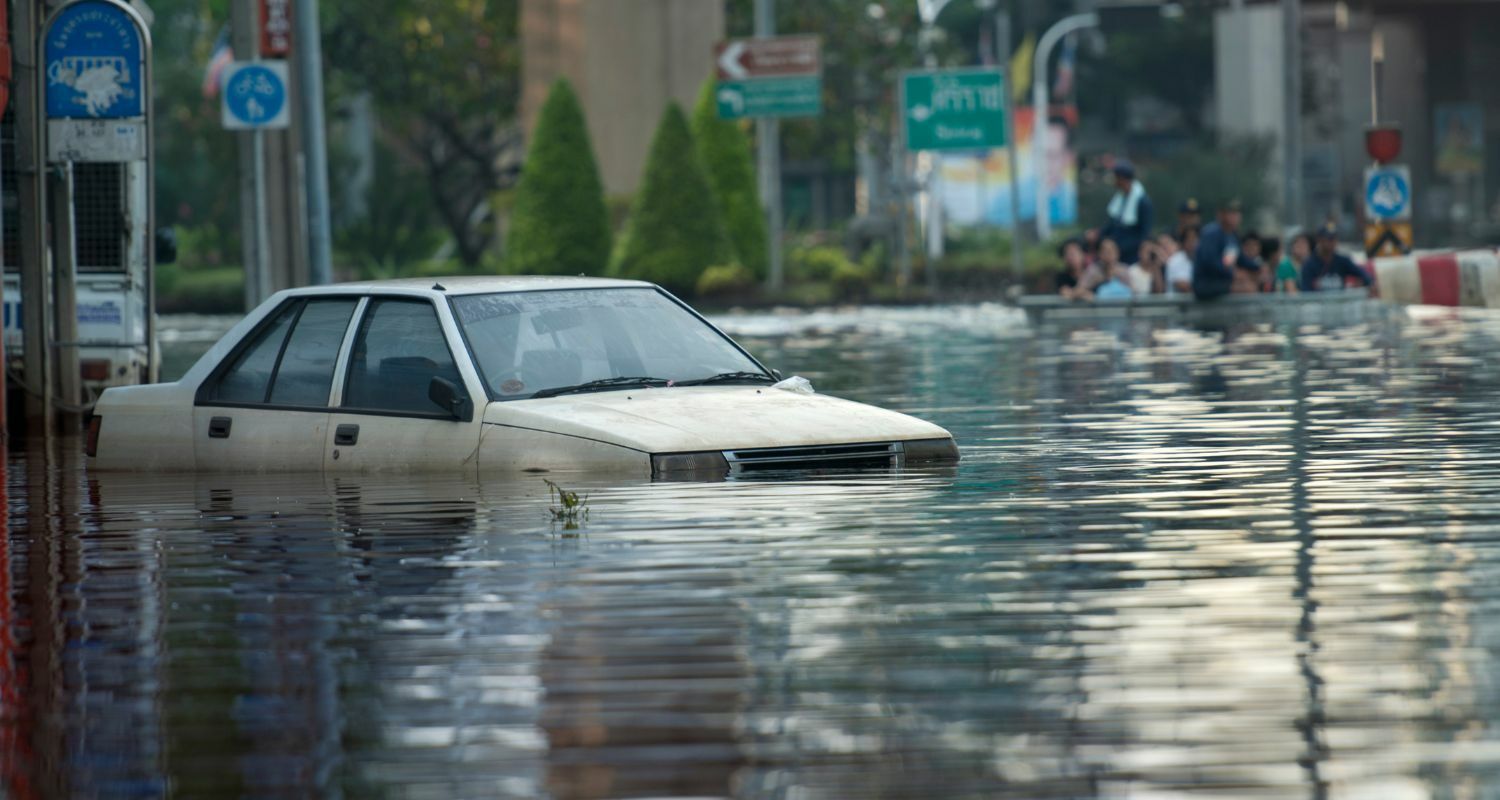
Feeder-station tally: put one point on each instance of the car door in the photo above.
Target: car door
(266, 406)
(384, 419)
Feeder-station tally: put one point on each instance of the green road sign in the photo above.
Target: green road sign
(770, 97)
(959, 109)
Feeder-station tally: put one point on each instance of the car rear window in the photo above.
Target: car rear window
(291, 360)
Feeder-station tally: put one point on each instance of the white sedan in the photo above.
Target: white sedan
(493, 376)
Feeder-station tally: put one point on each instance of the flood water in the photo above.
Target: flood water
(1252, 562)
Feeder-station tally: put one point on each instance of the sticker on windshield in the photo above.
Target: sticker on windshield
(512, 386)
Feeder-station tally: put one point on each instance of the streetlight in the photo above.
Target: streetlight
(1040, 102)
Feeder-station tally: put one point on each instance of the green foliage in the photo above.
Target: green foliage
(204, 290)
(445, 79)
(818, 263)
(673, 235)
(560, 225)
(725, 150)
(568, 507)
(725, 280)
(396, 235)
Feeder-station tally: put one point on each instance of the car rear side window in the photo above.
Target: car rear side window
(397, 352)
(290, 362)
(249, 376)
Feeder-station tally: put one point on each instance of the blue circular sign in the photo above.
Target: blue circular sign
(94, 58)
(255, 95)
(1388, 195)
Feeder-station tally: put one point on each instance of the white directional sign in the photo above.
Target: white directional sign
(255, 95)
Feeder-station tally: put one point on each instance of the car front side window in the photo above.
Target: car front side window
(398, 350)
(290, 362)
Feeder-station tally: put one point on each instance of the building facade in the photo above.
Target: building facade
(627, 59)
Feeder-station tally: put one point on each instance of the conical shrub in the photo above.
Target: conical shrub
(559, 224)
(675, 229)
(725, 150)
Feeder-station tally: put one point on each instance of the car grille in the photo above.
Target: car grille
(829, 456)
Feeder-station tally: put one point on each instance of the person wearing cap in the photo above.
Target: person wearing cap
(1189, 214)
(1129, 213)
(1219, 254)
(1327, 268)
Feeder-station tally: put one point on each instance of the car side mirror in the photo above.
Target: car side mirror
(447, 396)
(776, 373)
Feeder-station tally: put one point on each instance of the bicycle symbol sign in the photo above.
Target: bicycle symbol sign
(1388, 192)
(255, 95)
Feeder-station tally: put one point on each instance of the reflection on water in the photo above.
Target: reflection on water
(1249, 562)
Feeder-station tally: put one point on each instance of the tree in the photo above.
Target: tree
(725, 151)
(559, 225)
(673, 235)
(445, 79)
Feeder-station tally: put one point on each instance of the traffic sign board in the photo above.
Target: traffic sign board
(958, 109)
(95, 57)
(1388, 193)
(776, 77)
(770, 97)
(778, 57)
(255, 95)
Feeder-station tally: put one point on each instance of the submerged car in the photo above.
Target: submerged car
(491, 375)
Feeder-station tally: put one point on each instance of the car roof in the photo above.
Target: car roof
(472, 284)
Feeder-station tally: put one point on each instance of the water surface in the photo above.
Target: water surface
(1252, 562)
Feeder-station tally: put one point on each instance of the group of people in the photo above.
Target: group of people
(1122, 259)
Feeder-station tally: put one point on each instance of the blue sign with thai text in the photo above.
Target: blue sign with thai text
(94, 55)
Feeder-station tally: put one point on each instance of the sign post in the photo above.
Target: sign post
(1388, 229)
(254, 99)
(96, 88)
(768, 78)
(952, 109)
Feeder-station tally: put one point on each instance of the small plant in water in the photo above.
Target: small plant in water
(568, 507)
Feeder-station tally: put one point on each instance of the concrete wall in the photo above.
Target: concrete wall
(1250, 79)
(627, 59)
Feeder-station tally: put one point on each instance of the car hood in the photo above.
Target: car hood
(694, 418)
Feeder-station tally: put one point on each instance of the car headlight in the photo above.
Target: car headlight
(689, 465)
(930, 451)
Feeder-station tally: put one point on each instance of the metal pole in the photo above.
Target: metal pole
(309, 51)
(768, 161)
(65, 291)
(36, 293)
(1039, 109)
(263, 287)
(1002, 58)
(245, 26)
(1291, 11)
(903, 190)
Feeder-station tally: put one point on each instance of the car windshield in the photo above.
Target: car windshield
(551, 342)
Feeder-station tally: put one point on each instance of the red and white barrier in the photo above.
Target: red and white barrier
(1468, 278)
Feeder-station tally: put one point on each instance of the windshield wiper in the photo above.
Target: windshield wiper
(601, 385)
(730, 377)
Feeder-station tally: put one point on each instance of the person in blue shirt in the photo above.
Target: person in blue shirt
(1327, 268)
(1129, 212)
(1219, 253)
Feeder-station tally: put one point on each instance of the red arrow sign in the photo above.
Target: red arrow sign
(781, 57)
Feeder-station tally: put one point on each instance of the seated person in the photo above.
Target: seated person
(1270, 256)
(1178, 273)
(1118, 287)
(1327, 268)
(1078, 278)
(1287, 276)
(1248, 268)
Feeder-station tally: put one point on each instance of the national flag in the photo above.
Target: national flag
(1020, 70)
(219, 58)
(1066, 66)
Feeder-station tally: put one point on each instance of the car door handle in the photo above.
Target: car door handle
(218, 427)
(346, 435)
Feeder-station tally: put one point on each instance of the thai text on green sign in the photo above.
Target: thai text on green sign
(960, 109)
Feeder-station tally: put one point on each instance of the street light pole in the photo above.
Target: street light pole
(1039, 108)
(768, 143)
(315, 145)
